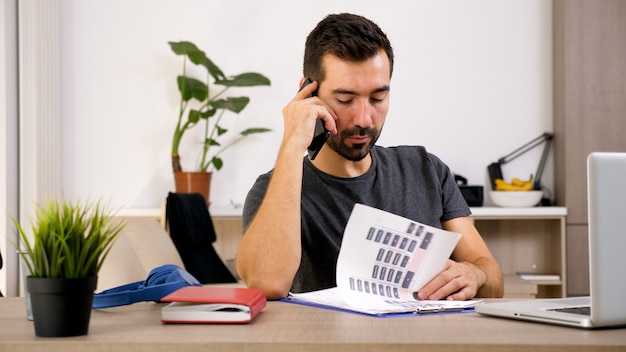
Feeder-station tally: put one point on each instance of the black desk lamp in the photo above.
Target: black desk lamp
(495, 171)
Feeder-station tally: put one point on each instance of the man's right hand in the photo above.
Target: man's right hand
(299, 117)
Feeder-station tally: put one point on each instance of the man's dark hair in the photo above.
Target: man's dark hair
(347, 36)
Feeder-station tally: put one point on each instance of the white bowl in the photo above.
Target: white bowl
(515, 198)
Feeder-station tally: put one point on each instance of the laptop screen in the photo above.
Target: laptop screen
(606, 189)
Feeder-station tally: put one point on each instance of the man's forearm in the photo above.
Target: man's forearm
(270, 251)
(493, 286)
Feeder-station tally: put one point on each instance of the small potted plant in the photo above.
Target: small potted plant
(199, 106)
(70, 241)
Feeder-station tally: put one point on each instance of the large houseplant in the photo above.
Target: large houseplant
(199, 106)
(70, 241)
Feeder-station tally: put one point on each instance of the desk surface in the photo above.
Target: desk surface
(286, 327)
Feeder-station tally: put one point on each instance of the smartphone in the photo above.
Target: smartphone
(321, 134)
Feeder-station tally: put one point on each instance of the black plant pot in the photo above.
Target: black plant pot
(61, 307)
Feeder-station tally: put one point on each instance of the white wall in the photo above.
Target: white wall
(472, 82)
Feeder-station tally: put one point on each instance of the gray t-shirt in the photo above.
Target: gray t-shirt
(404, 180)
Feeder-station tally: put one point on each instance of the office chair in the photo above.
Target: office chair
(191, 229)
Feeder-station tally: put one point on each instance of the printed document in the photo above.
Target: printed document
(384, 259)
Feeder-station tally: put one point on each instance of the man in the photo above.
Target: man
(295, 215)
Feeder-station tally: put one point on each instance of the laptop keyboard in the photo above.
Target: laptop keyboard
(574, 310)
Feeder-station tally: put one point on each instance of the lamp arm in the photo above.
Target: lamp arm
(525, 148)
(542, 162)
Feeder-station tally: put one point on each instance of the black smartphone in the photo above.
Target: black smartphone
(321, 134)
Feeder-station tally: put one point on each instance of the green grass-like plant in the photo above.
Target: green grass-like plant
(70, 239)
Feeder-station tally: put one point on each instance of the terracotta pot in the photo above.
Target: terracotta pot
(194, 182)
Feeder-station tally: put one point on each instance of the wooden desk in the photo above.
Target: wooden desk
(289, 327)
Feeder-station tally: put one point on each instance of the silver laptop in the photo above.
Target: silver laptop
(606, 305)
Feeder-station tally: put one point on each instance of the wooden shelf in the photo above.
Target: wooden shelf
(159, 212)
(509, 213)
(526, 240)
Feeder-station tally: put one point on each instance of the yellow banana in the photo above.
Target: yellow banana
(517, 182)
(515, 185)
(502, 185)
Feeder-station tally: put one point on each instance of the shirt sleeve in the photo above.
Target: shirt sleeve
(254, 199)
(454, 205)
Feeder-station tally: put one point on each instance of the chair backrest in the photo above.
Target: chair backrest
(191, 229)
(188, 212)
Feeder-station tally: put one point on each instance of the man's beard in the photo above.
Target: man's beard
(358, 151)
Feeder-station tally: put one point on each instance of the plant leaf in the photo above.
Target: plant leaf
(214, 71)
(192, 88)
(255, 130)
(208, 113)
(217, 163)
(234, 104)
(220, 130)
(194, 116)
(211, 141)
(188, 49)
(248, 79)
(70, 239)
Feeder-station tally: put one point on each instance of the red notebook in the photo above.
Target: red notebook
(209, 304)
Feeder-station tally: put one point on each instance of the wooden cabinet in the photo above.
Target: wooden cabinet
(530, 240)
(589, 40)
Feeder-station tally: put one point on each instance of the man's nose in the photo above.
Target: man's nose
(363, 115)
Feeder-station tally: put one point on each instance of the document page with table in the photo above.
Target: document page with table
(384, 259)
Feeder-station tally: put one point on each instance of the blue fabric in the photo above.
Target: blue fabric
(161, 281)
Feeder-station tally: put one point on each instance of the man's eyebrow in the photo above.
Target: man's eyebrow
(351, 92)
